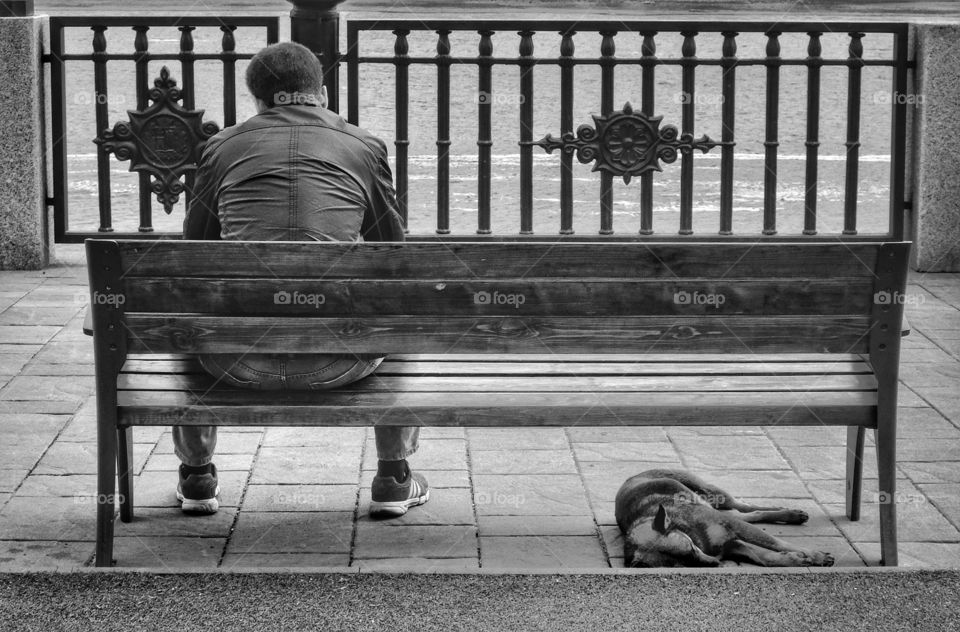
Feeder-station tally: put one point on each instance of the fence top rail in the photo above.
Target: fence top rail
(639, 26)
(163, 20)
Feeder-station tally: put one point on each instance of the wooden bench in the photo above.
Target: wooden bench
(505, 334)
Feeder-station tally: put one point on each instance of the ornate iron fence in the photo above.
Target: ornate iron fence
(632, 141)
(167, 132)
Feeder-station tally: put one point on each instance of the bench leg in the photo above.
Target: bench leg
(886, 467)
(106, 489)
(125, 472)
(855, 441)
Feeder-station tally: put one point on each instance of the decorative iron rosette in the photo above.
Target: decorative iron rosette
(626, 143)
(164, 140)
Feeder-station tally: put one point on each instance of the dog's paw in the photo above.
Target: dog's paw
(809, 558)
(795, 516)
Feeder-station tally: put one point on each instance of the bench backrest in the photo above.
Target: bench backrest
(429, 297)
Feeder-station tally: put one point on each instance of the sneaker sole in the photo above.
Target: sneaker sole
(396, 508)
(199, 506)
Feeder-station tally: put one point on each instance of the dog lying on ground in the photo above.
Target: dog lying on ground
(670, 518)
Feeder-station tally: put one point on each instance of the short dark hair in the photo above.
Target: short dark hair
(287, 69)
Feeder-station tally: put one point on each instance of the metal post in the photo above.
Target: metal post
(316, 25)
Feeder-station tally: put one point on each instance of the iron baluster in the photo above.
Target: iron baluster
(567, 50)
(728, 115)
(526, 132)
(188, 92)
(853, 134)
(229, 45)
(607, 61)
(771, 141)
(401, 51)
(484, 131)
(814, 61)
(443, 132)
(688, 109)
(648, 51)
(103, 122)
(140, 44)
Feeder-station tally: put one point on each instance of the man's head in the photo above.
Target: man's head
(284, 74)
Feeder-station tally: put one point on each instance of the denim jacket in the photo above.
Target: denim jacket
(294, 173)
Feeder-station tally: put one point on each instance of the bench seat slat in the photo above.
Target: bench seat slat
(496, 261)
(448, 296)
(260, 408)
(400, 334)
(567, 383)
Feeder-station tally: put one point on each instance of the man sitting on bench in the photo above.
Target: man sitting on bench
(294, 172)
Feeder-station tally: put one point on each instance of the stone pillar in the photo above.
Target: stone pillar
(316, 25)
(24, 232)
(935, 221)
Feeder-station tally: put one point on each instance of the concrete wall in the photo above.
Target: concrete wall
(935, 221)
(23, 213)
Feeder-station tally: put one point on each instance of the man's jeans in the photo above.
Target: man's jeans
(195, 445)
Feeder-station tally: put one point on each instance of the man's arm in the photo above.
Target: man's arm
(382, 222)
(203, 220)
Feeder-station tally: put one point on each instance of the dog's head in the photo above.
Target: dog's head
(660, 544)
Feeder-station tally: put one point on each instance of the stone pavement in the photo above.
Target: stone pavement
(504, 498)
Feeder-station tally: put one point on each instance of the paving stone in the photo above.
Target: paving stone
(438, 479)
(306, 465)
(170, 521)
(516, 438)
(31, 518)
(10, 479)
(12, 363)
(418, 565)
(937, 472)
(24, 452)
(279, 437)
(753, 452)
(224, 462)
(523, 462)
(63, 371)
(924, 423)
(39, 407)
(946, 498)
(916, 521)
(604, 511)
(174, 552)
(63, 458)
(292, 532)
(541, 525)
(529, 494)
(759, 484)
(831, 492)
(818, 462)
(376, 540)
(532, 552)
(40, 555)
(613, 543)
(626, 451)
(239, 561)
(906, 398)
(227, 443)
(446, 507)
(77, 486)
(438, 454)
(27, 334)
(831, 436)
(616, 434)
(442, 432)
(914, 450)
(915, 554)
(158, 488)
(38, 315)
(46, 388)
(300, 498)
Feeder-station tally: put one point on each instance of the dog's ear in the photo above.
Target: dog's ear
(660, 522)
